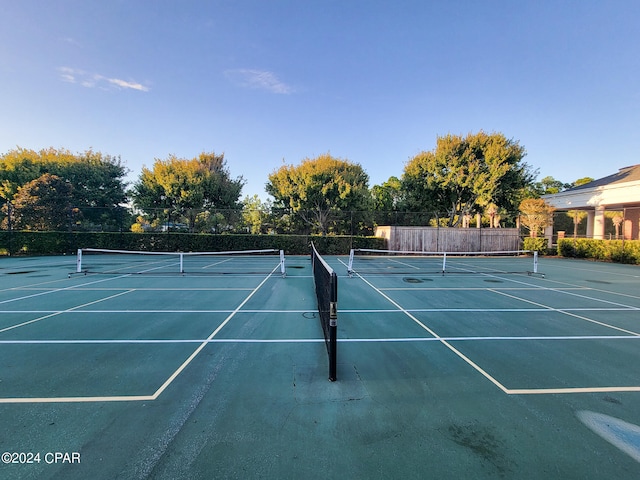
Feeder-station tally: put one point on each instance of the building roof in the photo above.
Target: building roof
(626, 174)
(619, 190)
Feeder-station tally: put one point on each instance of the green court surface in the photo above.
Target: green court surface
(224, 376)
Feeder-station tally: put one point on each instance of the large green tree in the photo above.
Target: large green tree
(389, 203)
(388, 196)
(465, 175)
(549, 185)
(256, 215)
(97, 179)
(321, 190)
(187, 189)
(41, 204)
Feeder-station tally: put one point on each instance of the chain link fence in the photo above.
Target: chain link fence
(218, 221)
(618, 224)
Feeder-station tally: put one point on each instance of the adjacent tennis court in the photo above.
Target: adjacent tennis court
(179, 367)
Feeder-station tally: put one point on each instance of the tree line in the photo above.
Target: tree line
(463, 180)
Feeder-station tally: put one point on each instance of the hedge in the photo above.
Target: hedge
(49, 243)
(619, 251)
(538, 244)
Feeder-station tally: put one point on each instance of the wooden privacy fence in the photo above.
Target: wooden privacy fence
(433, 239)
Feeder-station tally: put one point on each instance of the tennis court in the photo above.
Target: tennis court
(224, 373)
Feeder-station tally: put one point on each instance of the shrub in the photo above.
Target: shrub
(620, 251)
(539, 244)
(48, 243)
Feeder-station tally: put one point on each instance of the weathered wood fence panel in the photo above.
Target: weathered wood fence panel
(432, 239)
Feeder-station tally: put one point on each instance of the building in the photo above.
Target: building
(619, 192)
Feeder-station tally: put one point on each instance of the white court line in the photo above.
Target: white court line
(349, 311)
(81, 287)
(476, 310)
(600, 300)
(135, 341)
(55, 290)
(581, 317)
(142, 341)
(151, 311)
(162, 388)
(557, 391)
(63, 311)
(472, 289)
(440, 339)
(145, 289)
(132, 398)
(565, 289)
(567, 266)
(566, 311)
(69, 310)
(567, 286)
(415, 267)
(33, 285)
(210, 337)
(534, 391)
(602, 290)
(215, 264)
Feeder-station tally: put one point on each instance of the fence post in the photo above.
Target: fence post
(9, 228)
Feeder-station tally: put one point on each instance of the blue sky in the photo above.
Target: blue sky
(273, 81)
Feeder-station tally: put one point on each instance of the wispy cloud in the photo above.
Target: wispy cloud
(258, 79)
(94, 80)
(125, 84)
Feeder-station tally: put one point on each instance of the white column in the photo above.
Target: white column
(548, 234)
(598, 225)
(591, 215)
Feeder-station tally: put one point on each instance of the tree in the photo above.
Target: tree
(388, 196)
(582, 181)
(42, 204)
(536, 215)
(388, 201)
(256, 214)
(181, 188)
(319, 190)
(617, 218)
(549, 185)
(97, 179)
(464, 175)
(576, 217)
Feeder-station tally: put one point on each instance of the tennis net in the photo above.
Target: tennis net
(326, 286)
(371, 261)
(244, 262)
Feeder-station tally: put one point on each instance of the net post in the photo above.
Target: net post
(283, 270)
(444, 263)
(535, 261)
(350, 265)
(79, 261)
(181, 263)
(333, 328)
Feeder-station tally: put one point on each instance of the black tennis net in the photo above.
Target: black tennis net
(326, 285)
